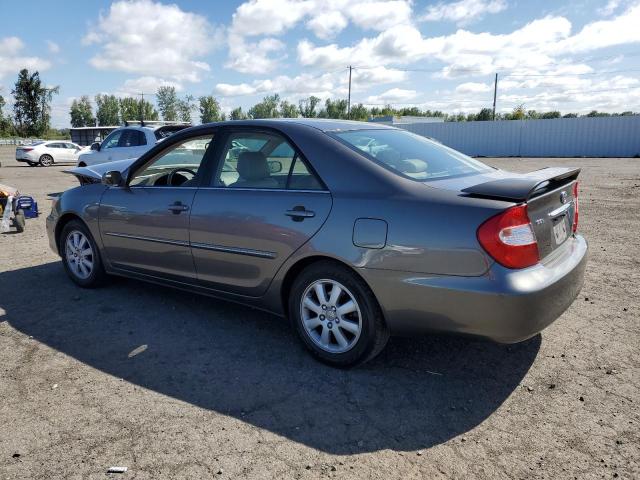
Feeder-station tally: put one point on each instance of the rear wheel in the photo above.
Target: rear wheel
(80, 255)
(336, 315)
(46, 160)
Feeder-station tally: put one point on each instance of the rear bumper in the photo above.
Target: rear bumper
(504, 305)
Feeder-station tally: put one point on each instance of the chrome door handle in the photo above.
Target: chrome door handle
(178, 207)
(299, 213)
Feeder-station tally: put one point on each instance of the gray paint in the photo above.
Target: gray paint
(561, 137)
(431, 272)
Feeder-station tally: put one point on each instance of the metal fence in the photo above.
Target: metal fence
(561, 137)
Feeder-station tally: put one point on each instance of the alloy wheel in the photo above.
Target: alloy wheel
(79, 254)
(331, 316)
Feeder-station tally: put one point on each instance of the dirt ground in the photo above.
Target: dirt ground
(174, 385)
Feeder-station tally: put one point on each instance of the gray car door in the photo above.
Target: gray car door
(262, 204)
(145, 225)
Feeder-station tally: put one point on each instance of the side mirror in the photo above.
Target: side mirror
(112, 179)
(275, 166)
(95, 146)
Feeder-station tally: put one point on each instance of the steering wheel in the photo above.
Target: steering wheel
(176, 170)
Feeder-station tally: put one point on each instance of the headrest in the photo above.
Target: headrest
(253, 166)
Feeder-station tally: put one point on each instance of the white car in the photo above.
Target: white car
(46, 153)
(126, 142)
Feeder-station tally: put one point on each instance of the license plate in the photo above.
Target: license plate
(560, 230)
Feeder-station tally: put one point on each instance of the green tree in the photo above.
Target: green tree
(133, 109)
(5, 122)
(518, 113)
(553, 114)
(185, 107)
(485, 115)
(82, 113)
(288, 110)
(570, 115)
(209, 109)
(168, 103)
(32, 106)
(107, 110)
(334, 109)
(267, 108)
(307, 107)
(595, 113)
(237, 114)
(359, 112)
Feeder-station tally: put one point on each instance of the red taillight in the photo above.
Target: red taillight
(575, 208)
(509, 238)
(26, 149)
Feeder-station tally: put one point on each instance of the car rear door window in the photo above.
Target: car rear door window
(263, 161)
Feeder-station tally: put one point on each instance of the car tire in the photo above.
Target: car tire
(46, 160)
(84, 267)
(322, 323)
(19, 221)
(32, 164)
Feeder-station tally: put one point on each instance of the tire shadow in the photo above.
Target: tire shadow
(240, 362)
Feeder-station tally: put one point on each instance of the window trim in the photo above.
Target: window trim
(218, 162)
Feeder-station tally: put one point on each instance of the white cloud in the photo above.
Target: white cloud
(606, 33)
(609, 8)
(146, 85)
(12, 60)
(395, 95)
(463, 12)
(53, 47)
(379, 15)
(474, 87)
(253, 57)
(153, 39)
(327, 25)
(325, 18)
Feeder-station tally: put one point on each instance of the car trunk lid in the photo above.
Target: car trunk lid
(549, 193)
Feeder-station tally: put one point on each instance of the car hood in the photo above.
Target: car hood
(93, 173)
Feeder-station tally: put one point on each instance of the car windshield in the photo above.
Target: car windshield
(411, 155)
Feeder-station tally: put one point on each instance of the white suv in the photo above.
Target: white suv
(127, 142)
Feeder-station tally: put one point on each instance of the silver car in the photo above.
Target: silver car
(354, 231)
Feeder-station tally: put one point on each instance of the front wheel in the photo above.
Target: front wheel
(80, 255)
(336, 315)
(46, 160)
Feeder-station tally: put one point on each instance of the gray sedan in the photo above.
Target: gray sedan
(354, 231)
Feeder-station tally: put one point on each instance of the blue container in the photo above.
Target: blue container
(28, 205)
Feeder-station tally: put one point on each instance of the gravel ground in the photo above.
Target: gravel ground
(174, 385)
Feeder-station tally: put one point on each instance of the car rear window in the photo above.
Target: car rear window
(411, 155)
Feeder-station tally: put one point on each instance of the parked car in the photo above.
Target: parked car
(47, 153)
(352, 243)
(129, 141)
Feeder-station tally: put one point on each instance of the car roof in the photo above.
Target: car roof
(323, 124)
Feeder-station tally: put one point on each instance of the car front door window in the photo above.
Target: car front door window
(178, 166)
(112, 140)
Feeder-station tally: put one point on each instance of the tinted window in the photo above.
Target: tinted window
(411, 155)
(177, 166)
(263, 160)
(112, 140)
(132, 138)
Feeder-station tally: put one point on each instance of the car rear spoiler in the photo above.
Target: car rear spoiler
(521, 188)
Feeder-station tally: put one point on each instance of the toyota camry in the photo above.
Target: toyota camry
(354, 231)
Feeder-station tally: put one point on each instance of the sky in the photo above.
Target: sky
(572, 56)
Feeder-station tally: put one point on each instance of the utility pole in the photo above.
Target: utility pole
(142, 109)
(495, 91)
(349, 97)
